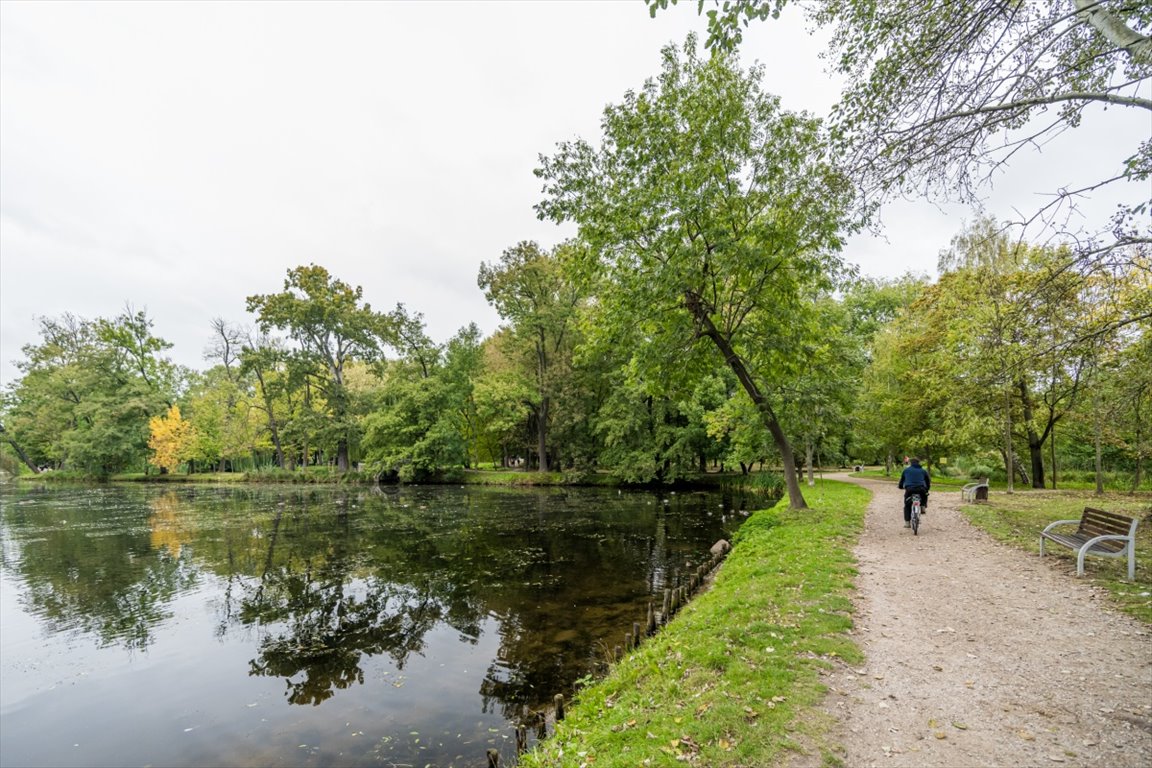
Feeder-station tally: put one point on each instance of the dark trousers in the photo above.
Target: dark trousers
(908, 494)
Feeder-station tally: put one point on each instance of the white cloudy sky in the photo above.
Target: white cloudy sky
(179, 157)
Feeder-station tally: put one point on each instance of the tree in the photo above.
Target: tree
(423, 419)
(528, 288)
(262, 357)
(171, 440)
(331, 325)
(87, 391)
(940, 95)
(712, 215)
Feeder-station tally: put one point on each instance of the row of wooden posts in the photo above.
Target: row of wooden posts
(675, 598)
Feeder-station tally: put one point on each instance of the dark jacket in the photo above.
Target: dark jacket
(913, 476)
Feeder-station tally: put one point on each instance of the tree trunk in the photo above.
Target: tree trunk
(736, 364)
(1137, 470)
(542, 433)
(1035, 442)
(808, 459)
(1099, 450)
(1007, 450)
(1113, 28)
(19, 451)
(342, 461)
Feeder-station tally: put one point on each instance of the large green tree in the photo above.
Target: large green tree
(712, 215)
(331, 325)
(87, 391)
(530, 290)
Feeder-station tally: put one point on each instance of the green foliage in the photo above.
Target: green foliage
(530, 290)
(709, 215)
(331, 327)
(87, 391)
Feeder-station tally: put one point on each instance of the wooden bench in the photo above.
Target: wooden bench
(977, 491)
(1100, 533)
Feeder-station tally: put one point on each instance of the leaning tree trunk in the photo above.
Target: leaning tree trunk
(19, 451)
(744, 376)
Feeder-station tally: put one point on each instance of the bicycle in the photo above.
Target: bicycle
(915, 518)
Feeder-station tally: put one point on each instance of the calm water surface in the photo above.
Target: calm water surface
(259, 626)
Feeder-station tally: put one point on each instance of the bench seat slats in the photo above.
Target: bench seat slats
(1075, 542)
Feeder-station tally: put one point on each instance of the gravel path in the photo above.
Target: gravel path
(982, 655)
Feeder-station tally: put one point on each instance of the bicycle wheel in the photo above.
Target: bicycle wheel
(915, 515)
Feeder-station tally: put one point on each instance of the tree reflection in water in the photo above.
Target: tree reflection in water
(329, 578)
(330, 625)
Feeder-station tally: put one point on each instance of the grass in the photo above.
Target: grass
(178, 477)
(735, 678)
(1018, 518)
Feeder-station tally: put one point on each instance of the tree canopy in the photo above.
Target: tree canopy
(711, 215)
(939, 96)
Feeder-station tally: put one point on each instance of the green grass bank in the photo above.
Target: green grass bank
(734, 679)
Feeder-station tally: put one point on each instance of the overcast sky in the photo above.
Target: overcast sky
(179, 157)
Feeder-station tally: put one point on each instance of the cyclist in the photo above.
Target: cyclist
(914, 480)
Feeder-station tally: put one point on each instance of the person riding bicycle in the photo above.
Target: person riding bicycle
(914, 480)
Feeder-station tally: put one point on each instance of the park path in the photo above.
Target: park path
(982, 655)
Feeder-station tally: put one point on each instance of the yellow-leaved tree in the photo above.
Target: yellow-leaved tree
(171, 440)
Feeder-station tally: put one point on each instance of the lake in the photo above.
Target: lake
(318, 626)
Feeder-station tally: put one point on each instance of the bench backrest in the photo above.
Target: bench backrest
(1097, 522)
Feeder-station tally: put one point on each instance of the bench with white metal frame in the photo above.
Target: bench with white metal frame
(1099, 533)
(977, 491)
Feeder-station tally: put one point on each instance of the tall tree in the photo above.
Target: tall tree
(88, 389)
(712, 213)
(262, 357)
(529, 288)
(331, 324)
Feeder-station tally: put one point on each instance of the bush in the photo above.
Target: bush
(980, 472)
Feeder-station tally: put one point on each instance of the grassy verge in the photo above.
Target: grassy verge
(734, 679)
(200, 477)
(1017, 519)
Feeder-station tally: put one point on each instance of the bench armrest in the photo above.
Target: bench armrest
(1060, 522)
(1110, 537)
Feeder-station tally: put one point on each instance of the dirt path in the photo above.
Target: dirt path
(981, 655)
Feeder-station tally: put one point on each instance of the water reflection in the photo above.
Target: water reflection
(322, 585)
(82, 576)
